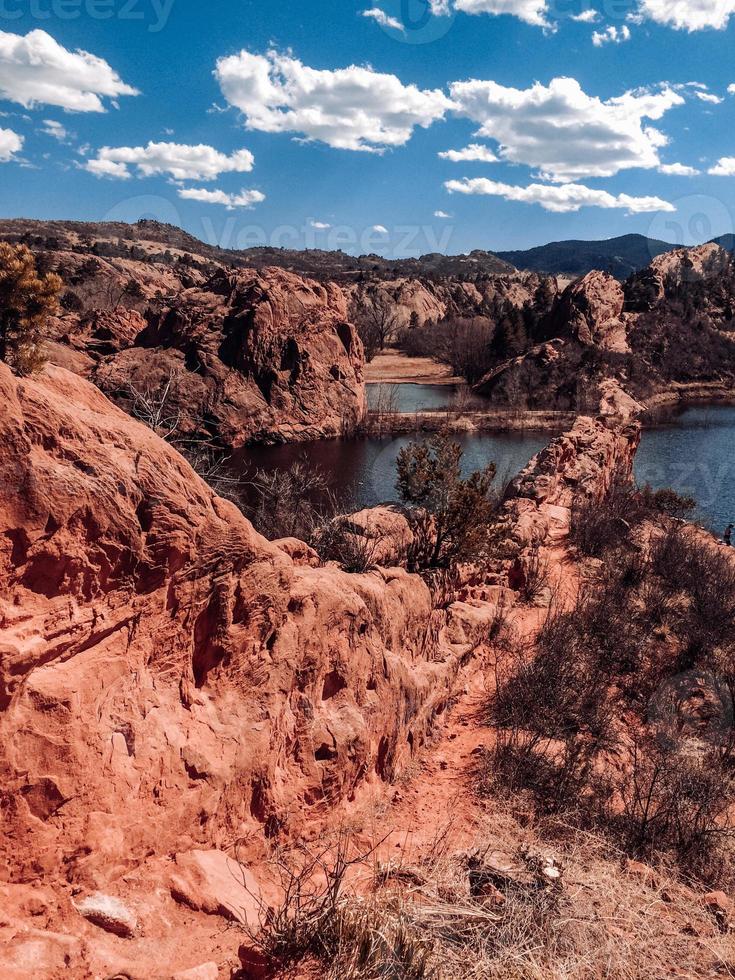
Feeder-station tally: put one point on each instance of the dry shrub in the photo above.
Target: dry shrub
(575, 734)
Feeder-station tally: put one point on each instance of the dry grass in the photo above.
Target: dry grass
(425, 917)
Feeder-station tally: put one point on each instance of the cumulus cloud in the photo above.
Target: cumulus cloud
(245, 199)
(708, 97)
(352, 108)
(380, 229)
(53, 128)
(441, 214)
(10, 144)
(320, 225)
(689, 15)
(725, 167)
(678, 170)
(475, 152)
(563, 131)
(530, 11)
(385, 20)
(588, 16)
(36, 70)
(179, 161)
(558, 198)
(611, 35)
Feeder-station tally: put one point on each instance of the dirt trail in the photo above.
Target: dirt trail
(436, 796)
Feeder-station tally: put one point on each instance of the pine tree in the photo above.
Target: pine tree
(26, 301)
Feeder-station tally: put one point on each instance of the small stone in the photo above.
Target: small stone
(109, 914)
(721, 907)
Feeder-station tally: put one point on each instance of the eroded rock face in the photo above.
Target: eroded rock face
(173, 684)
(266, 357)
(429, 300)
(684, 265)
(243, 356)
(591, 311)
(170, 679)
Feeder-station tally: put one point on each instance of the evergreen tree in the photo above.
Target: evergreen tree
(26, 302)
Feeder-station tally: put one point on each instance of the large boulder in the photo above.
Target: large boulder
(591, 312)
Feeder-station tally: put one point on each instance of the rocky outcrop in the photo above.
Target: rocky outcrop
(246, 357)
(591, 312)
(170, 679)
(688, 265)
(172, 683)
(428, 300)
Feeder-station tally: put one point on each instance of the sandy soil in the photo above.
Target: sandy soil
(394, 367)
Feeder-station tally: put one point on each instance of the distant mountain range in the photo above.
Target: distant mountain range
(619, 256)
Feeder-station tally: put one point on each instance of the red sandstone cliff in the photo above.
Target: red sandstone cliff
(172, 683)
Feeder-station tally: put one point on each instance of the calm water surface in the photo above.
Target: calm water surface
(695, 455)
(363, 471)
(416, 398)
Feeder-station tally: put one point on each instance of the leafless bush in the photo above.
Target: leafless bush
(291, 503)
(318, 919)
(154, 404)
(677, 803)
(580, 699)
(356, 548)
(535, 574)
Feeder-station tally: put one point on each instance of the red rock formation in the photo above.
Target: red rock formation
(172, 683)
(170, 680)
(265, 357)
(591, 311)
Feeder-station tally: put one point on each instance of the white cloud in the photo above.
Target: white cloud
(352, 108)
(563, 131)
(385, 20)
(556, 197)
(245, 199)
(179, 161)
(55, 129)
(611, 35)
(320, 225)
(678, 170)
(35, 70)
(709, 97)
(441, 214)
(475, 152)
(725, 167)
(380, 229)
(731, 89)
(10, 144)
(531, 11)
(588, 16)
(689, 15)
(440, 8)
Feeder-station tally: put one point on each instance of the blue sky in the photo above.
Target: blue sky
(250, 123)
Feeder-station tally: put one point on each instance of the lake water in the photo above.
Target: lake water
(363, 471)
(422, 398)
(694, 454)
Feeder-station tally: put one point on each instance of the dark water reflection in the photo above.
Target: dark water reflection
(426, 398)
(363, 471)
(694, 454)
